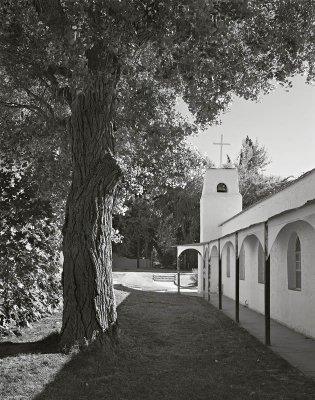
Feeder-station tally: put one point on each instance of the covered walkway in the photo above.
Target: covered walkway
(294, 347)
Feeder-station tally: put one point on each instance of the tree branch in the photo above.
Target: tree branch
(40, 100)
(31, 107)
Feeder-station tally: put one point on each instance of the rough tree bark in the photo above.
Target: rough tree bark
(89, 303)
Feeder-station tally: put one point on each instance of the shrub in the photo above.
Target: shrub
(29, 242)
(194, 276)
(168, 258)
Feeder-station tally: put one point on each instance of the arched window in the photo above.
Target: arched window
(221, 187)
(242, 264)
(228, 262)
(298, 270)
(294, 263)
(261, 264)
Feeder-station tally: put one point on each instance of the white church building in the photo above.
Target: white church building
(262, 257)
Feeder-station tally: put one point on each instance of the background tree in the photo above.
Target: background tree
(254, 184)
(180, 221)
(86, 60)
(137, 227)
(167, 211)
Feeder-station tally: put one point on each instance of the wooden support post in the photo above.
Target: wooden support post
(267, 288)
(204, 272)
(209, 271)
(237, 281)
(178, 275)
(220, 277)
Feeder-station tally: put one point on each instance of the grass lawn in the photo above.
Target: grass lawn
(170, 347)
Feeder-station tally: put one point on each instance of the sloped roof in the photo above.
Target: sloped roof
(290, 184)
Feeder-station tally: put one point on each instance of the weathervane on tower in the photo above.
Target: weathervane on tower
(221, 144)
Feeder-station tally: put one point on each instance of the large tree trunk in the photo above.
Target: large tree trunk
(89, 303)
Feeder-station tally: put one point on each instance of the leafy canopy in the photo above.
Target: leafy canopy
(203, 50)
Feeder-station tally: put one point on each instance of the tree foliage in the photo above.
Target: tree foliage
(30, 271)
(254, 183)
(167, 211)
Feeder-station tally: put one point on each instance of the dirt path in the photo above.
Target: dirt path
(143, 280)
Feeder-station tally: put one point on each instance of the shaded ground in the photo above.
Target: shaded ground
(171, 347)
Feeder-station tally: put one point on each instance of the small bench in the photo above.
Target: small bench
(164, 277)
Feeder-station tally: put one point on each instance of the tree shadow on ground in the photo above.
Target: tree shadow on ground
(176, 347)
(112, 367)
(47, 345)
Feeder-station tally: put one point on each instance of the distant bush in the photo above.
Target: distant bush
(168, 258)
(194, 276)
(29, 242)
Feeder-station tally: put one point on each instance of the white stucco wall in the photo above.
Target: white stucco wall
(228, 283)
(251, 292)
(200, 273)
(275, 225)
(206, 270)
(216, 207)
(256, 230)
(296, 195)
(214, 265)
(292, 307)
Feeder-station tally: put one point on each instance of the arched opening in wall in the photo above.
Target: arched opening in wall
(188, 264)
(228, 262)
(213, 266)
(294, 262)
(252, 258)
(226, 257)
(242, 263)
(222, 188)
(261, 264)
(292, 278)
(205, 268)
(293, 250)
(188, 260)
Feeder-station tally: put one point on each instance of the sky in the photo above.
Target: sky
(283, 121)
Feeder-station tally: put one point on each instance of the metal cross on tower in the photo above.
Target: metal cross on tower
(221, 144)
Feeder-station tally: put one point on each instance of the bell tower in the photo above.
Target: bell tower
(220, 200)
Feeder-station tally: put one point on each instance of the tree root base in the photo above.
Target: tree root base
(100, 341)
